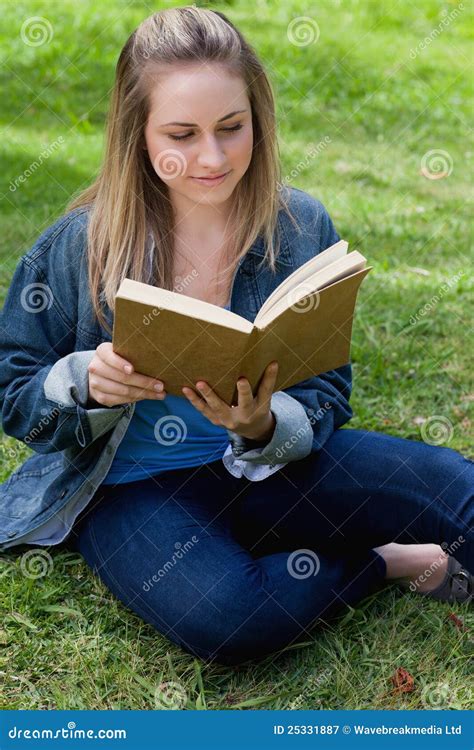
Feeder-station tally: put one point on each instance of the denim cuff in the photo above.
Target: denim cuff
(67, 385)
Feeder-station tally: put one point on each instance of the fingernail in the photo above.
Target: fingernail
(158, 386)
(128, 369)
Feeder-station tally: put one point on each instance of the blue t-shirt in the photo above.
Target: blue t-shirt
(164, 435)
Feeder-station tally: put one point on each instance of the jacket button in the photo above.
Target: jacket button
(11, 534)
(63, 493)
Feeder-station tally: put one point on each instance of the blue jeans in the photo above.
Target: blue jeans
(232, 570)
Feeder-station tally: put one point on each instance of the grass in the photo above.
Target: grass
(65, 642)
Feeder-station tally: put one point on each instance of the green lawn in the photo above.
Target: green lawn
(378, 105)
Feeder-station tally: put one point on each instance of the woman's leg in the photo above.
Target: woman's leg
(363, 490)
(165, 547)
(423, 565)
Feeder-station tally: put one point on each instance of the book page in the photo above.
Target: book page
(326, 276)
(156, 297)
(332, 253)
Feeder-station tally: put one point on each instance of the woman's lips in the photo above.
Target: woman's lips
(210, 181)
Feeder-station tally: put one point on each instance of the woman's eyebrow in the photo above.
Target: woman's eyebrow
(193, 124)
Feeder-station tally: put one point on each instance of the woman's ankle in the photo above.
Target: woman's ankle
(420, 567)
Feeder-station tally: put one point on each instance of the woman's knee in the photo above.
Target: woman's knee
(382, 460)
(229, 623)
(238, 631)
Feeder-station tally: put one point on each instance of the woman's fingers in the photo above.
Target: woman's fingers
(267, 384)
(109, 383)
(119, 393)
(111, 366)
(107, 354)
(245, 395)
(111, 373)
(209, 396)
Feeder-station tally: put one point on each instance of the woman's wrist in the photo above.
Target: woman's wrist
(264, 433)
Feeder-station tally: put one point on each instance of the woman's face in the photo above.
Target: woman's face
(214, 134)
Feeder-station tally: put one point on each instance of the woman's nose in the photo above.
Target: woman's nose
(210, 153)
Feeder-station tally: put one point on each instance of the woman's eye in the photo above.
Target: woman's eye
(180, 137)
(188, 135)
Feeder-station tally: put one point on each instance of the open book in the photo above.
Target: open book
(305, 325)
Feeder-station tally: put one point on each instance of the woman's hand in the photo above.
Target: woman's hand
(113, 382)
(251, 418)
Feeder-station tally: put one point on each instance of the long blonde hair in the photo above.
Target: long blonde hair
(128, 201)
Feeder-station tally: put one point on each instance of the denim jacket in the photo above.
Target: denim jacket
(48, 336)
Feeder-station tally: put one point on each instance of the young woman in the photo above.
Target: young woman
(230, 530)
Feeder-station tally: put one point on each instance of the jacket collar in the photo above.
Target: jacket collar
(284, 256)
